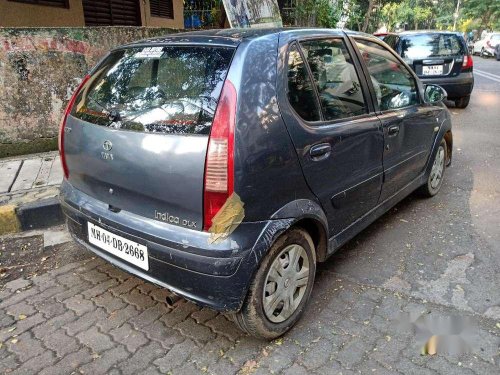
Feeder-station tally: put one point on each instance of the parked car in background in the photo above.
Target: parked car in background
(224, 164)
(486, 46)
(382, 36)
(438, 57)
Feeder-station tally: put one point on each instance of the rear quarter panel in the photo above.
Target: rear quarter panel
(267, 172)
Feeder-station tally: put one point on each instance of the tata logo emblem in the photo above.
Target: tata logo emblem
(107, 145)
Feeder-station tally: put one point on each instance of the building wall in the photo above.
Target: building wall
(13, 14)
(176, 23)
(39, 70)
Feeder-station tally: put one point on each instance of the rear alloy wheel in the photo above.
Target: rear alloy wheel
(462, 102)
(281, 287)
(435, 179)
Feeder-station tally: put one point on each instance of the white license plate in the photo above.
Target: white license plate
(432, 70)
(125, 249)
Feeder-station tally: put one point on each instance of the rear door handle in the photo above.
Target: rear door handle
(393, 130)
(320, 151)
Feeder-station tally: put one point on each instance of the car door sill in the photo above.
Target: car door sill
(338, 240)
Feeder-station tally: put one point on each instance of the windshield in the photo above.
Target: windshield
(431, 45)
(171, 89)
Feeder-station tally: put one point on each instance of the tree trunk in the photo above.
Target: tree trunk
(368, 15)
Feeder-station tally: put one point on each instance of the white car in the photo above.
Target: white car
(486, 46)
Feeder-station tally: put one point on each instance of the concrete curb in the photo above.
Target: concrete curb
(29, 216)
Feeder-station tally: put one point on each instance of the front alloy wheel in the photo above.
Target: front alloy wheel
(435, 179)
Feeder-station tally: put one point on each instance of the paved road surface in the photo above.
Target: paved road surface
(438, 257)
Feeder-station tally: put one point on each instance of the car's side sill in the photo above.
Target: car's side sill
(337, 241)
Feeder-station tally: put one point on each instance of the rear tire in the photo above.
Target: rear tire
(436, 176)
(462, 102)
(275, 302)
(482, 54)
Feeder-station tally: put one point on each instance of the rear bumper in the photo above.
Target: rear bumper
(456, 87)
(180, 259)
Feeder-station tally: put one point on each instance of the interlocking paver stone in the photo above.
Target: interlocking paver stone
(142, 358)
(69, 363)
(103, 363)
(176, 356)
(95, 340)
(25, 347)
(79, 305)
(61, 343)
(20, 309)
(17, 284)
(129, 337)
(109, 302)
(120, 325)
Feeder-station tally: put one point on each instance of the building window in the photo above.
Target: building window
(51, 3)
(111, 13)
(162, 8)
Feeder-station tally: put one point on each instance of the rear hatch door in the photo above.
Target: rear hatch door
(434, 55)
(137, 135)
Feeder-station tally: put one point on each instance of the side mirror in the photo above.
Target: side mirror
(434, 94)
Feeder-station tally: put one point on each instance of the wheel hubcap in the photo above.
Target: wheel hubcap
(437, 168)
(286, 283)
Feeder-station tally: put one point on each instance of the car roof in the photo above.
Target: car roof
(423, 32)
(235, 36)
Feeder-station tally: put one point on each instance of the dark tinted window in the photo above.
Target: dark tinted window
(335, 77)
(300, 90)
(156, 89)
(394, 85)
(431, 45)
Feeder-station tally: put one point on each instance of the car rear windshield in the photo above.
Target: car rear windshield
(169, 89)
(431, 45)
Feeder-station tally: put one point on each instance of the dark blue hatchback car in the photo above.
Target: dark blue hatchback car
(223, 165)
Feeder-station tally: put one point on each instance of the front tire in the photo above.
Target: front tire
(435, 179)
(281, 287)
(462, 102)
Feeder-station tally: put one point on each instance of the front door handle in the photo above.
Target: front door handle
(393, 130)
(320, 151)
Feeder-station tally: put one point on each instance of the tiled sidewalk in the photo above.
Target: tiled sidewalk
(29, 178)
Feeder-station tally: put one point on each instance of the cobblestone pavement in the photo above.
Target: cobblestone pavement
(92, 318)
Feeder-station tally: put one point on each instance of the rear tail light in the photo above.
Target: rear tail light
(62, 125)
(467, 63)
(219, 165)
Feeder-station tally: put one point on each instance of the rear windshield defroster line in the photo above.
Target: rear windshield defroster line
(168, 89)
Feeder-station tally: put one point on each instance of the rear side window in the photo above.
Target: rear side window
(335, 77)
(171, 89)
(300, 89)
(422, 46)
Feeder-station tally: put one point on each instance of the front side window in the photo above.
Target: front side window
(394, 85)
(156, 89)
(300, 89)
(335, 77)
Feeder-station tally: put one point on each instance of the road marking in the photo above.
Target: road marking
(484, 74)
(487, 73)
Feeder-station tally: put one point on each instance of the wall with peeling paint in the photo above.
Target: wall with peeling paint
(39, 69)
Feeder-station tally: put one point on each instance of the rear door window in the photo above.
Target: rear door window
(335, 76)
(414, 47)
(300, 89)
(170, 89)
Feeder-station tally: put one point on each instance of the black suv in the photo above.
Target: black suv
(223, 165)
(439, 57)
